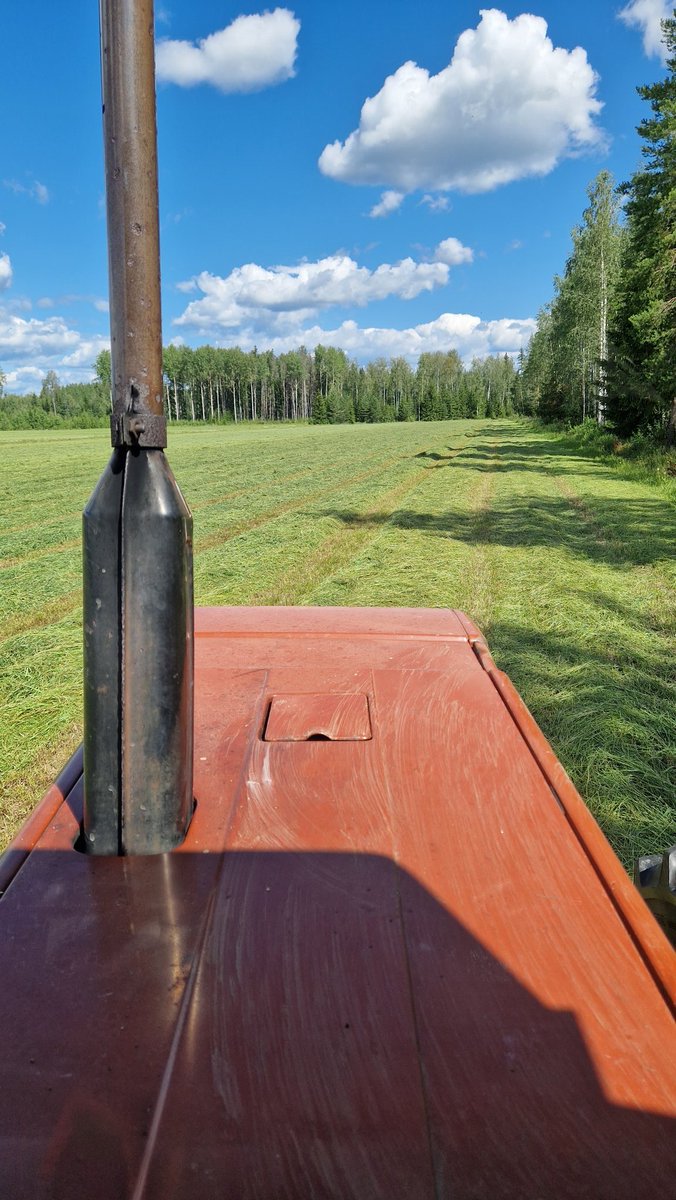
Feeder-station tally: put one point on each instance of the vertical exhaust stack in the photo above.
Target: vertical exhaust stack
(137, 529)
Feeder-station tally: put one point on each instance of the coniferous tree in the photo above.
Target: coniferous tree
(642, 383)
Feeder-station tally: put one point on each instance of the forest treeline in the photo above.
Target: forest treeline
(604, 348)
(212, 384)
(605, 345)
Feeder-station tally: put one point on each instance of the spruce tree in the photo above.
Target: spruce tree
(642, 379)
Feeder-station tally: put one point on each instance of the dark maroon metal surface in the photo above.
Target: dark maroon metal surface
(402, 966)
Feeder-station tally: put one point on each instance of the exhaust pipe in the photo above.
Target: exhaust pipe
(137, 528)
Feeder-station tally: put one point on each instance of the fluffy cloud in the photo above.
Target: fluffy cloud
(24, 379)
(21, 338)
(467, 334)
(84, 354)
(279, 297)
(251, 53)
(646, 15)
(453, 253)
(31, 347)
(255, 306)
(509, 105)
(389, 202)
(5, 272)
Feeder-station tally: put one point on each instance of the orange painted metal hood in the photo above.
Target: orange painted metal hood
(395, 956)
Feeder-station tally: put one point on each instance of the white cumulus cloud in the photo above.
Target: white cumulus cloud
(85, 352)
(647, 16)
(252, 52)
(452, 252)
(469, 335)
(389, 202)
(31, 347)
(276, 297)
(20, 337)
(510, 104)
(5, 272)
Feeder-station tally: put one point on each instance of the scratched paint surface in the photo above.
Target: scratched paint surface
(377, 968)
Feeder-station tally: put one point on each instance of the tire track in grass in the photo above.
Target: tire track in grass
(47, 521)
(481, 573)
(221, 537)
(336, 549)
(293, 477)
(35, 553)
(55, 610)
(239, 466)
(18, 560)
(70, 602)
(413, 557)
(614, 549)
(269, 561)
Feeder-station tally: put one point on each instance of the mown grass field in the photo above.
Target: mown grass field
(566, 564)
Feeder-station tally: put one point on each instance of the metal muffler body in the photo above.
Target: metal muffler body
(137, 528)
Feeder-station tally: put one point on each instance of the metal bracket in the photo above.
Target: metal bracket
(138, 429)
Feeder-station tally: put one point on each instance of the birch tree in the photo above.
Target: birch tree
(570, 372)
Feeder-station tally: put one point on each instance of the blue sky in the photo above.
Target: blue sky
(432, 218)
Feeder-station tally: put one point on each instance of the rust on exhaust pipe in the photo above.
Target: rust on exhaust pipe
(130, 142)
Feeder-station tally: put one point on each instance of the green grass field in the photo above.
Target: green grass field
(565, 562)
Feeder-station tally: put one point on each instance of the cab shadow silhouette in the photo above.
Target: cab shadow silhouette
(276, 1025)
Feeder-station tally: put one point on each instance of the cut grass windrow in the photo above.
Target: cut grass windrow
(224, 534)
(336, 549)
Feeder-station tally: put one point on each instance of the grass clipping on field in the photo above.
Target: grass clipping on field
(565, 562)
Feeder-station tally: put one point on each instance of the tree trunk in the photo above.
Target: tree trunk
(603, 342)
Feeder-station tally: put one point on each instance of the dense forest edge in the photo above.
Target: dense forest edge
(603, 354)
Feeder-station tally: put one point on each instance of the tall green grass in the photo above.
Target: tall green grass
(643, 456)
